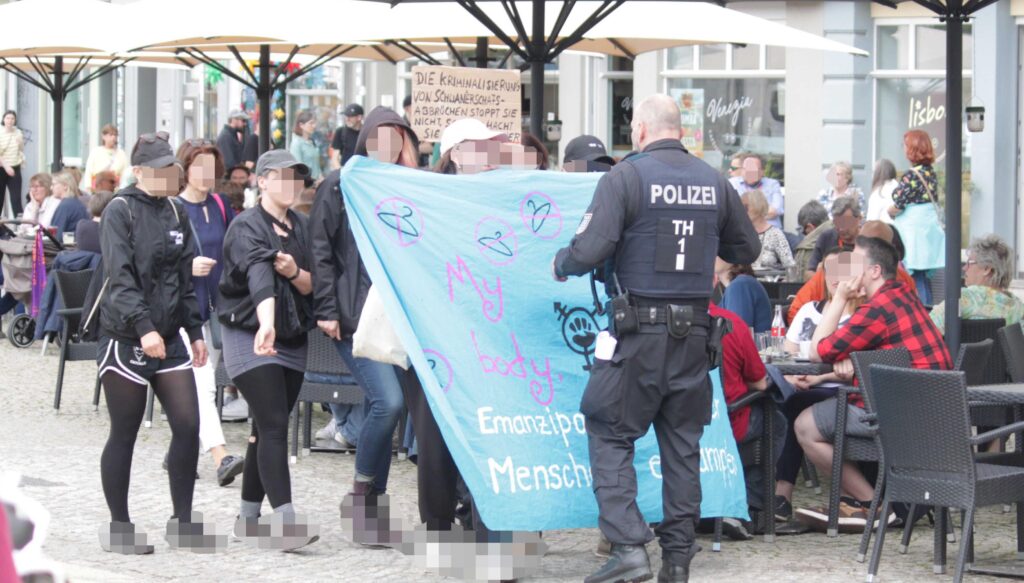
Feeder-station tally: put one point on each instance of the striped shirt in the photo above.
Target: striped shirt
(12, 147)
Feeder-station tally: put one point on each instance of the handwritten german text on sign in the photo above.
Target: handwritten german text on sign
(463, 265)
(441, 95)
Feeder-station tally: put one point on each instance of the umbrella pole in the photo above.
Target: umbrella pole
(57, 96)
(537, 52)
(481, 52)
(263, 94)
(954, 164)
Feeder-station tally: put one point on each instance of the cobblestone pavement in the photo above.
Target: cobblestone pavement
(58, 456)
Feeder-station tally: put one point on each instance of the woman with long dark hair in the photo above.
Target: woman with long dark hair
(146, 299)
(265, 312)
(302, 146)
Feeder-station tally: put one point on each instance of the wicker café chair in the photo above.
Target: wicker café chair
(931, 460)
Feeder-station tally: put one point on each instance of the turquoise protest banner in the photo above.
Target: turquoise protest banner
(463, 264)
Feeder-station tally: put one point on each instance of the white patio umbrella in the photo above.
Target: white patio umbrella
(619, 27)
(276, 36)
(56, 46)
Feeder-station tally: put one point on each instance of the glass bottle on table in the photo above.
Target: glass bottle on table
(778, 331)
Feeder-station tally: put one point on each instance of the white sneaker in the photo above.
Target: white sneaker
(237, 410)
(344, 443)
(328, 431)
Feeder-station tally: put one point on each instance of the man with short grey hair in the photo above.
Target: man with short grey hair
(662, 216)
(231, 140)
(846, 218)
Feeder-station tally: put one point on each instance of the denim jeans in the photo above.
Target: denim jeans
(383, 407)
(349, 420)
(923, 281)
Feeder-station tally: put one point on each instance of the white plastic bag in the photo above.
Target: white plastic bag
(375, 337)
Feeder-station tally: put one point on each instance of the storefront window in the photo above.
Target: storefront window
(746, 57)
(680, 58)
(724, 116)
(894, 47)
(621, 91)
(712, 57)
(930, 46)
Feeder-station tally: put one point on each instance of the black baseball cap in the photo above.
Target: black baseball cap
(353, 109)
(277, 160)
(587, 148)
(154, 151)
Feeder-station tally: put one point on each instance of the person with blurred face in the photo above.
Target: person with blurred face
(148, 250)
(751, 177)
(341, 285)
(239, 175)
(209, 215)
(266, 312)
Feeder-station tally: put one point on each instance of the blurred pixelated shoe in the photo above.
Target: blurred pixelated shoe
(366, 517)
(278, 531)
(195, 535)
(121, 537)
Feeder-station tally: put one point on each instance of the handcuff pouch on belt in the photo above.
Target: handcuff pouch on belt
(679, 320)
(719, 328)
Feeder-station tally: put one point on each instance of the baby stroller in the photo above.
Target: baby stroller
(20, 271)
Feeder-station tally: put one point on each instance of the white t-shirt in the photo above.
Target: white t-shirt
(802, 328)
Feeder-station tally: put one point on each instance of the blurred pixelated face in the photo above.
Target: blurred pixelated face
(518, 156)
(385, 145)
(202, 174)
(859, 262)
(159, 181)
(281, 186)
(838, 268)
(239, 177)
(474, 156)
(847, 225)
(752, 171)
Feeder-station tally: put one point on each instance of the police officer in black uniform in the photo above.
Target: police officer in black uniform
(656, 224)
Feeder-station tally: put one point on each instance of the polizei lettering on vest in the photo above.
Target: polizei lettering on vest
(680, 194)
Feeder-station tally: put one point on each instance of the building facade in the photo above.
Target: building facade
(801, 110)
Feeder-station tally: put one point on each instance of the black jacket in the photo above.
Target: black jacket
(148, 249)
(230, 146)
(340, 281)
(250, 246)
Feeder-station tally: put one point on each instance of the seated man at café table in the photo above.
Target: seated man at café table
(891, 317)
(812, 221)
(814, 289)
(742, 372)
(846, 220)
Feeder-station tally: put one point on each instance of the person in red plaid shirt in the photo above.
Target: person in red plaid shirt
(892, 317)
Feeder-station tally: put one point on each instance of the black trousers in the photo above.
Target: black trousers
(12, 185)
(652, 378)
(436, 473)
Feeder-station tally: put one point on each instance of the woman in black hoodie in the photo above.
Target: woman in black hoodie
(146, 299)
(265, 314)
(340, 285)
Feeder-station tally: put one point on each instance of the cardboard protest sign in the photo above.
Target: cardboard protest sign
(463, 265)
(441, 95)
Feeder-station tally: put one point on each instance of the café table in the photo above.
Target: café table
(788, 366)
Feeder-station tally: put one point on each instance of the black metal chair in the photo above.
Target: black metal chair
(71, 289)
(930, 461)
(858, 449)
(1011, 340)
(974, 360)
(323, 364)
(760, 451)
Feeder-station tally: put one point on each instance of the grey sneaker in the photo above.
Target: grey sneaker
(237, 410)
(329, 431)
(230, 466)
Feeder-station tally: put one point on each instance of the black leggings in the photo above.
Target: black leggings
(436, 472)
(126, 401)
(271, 391)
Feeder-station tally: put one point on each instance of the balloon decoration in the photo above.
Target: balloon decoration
(278, 124)
(212, 76)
